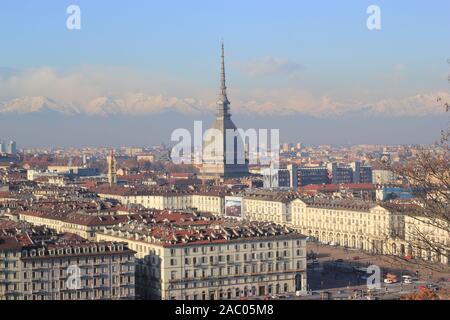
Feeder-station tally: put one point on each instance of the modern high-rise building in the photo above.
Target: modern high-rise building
(12, 149)
(365, 174)
(224, 159)
(312, 175)
(275, 178)
(355, 172)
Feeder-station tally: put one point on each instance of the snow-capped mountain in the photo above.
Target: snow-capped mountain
(25, 105)
(130, 104)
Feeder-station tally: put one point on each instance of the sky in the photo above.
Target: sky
(139, 69)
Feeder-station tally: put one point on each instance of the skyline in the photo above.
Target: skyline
(232, 157)
(332, 75)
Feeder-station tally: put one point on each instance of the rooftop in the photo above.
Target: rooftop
(180, 228)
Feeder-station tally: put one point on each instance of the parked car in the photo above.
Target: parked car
(433, 287)
(390, 278)
(407, 279)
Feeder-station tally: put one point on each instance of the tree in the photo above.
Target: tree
(427, 218)
(426, 294)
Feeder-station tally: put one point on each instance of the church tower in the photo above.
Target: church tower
(216, 152)
(112, 168)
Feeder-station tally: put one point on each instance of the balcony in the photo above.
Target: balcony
(42, 292)
(7, 281)
(105, 287)
(42, 269)
(9, 270)
(200, 265)
(101, 264)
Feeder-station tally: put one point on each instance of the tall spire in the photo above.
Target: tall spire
(223, 102)
(223, 86)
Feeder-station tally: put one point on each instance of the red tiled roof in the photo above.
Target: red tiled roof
(337, 187)
(9, 243)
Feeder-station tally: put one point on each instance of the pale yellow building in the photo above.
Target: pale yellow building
(35, 271)
(353, 224)
(421, 233)
(170, 200)
(221, 262)
(80, 224)
(269, 207)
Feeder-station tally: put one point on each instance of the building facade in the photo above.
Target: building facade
(221, 162)
(220, 261)
(65, 271)
(268, 207)
(422, 234)
(361, 225)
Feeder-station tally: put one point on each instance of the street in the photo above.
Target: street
(331, 284)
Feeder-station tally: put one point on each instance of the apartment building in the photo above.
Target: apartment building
(268, 206)
(354, 224)
(420, 233)
(155, 199)
(213, 202)
(196, 257)
(349, 222)
(46, 268)
(83, 225)
(162, 199)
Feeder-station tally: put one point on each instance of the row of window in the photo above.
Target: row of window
(236, 270)
(77, 261)
(237, 257)
(236, 293)
(96, 294)
(236, 247)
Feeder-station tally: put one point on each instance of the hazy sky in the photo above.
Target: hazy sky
(315, 64)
